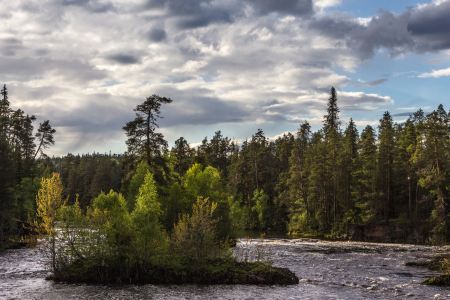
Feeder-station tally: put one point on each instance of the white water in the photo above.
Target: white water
(327, 270)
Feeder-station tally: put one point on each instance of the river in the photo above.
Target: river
(327, 270)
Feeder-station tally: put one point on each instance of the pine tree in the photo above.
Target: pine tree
(144, 142)
(45, 137)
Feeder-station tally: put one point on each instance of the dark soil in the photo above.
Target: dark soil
(213, 272)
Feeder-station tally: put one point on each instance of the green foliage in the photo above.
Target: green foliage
(26, 197)
(17, 167)
(261, 208)
(135, 183)
(194, 237)
(240, 215)
(205, 183)
(148, 238)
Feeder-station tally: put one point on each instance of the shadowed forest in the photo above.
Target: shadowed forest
(336, 181)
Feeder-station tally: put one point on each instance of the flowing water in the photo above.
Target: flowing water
(327, 270)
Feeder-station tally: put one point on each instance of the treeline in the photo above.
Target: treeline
(326, 181)
(320, 182)
(88, 175)
(395, 174)
(22, 164)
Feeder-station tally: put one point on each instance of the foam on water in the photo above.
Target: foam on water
(327, 270)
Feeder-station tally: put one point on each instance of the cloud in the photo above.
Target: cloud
(190, 66)
(435, 61)
(436, 73)
(157, 35)
(372, 83)
(85, 64)
(125, 59)
(193, 14)
(93, 6)
(420, 30)
(430, 26)
(292, 7)
(405, 114)
(384, 30)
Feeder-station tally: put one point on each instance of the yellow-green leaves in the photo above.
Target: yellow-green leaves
(147, 202)
(48, 202)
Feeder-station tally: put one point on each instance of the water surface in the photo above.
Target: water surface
(327, 270)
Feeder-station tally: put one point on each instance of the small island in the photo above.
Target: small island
(109, 244)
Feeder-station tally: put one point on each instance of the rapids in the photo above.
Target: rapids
(327, 270)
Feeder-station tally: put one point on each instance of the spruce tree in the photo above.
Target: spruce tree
(333, 142)
(385, 158)
(182, 152)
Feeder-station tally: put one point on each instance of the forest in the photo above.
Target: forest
(330, 182)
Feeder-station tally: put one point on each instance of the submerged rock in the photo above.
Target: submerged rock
(443, 280)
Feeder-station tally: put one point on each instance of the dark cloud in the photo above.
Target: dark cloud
(195, 107)
(34, 95)
(385, 30)
(71, 70)
(289, 109)
(201, 13)
(405, 114)
(361, 101)
(9, 46)
(431, 26)
(193, 13)
(292, 7)
(335, 25)
(157, 35)
(182, 78)
(272, 102)
(93, 6)
(321, 64)
(421, 30)
(214, 16)
(372, 83)
(41, 52)
(125, 59)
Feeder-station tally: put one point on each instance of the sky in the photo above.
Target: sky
(228, 65)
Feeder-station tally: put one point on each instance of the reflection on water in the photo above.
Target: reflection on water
(327, 270)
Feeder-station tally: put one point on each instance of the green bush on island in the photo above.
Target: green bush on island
(110, 244)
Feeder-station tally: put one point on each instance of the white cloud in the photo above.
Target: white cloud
(190, 66)
(86, 70)
(436, 73)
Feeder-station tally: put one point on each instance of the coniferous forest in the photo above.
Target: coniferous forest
(393, 178)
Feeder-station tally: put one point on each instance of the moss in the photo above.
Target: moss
(217, 271)
(439, 262)
(443, 280)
